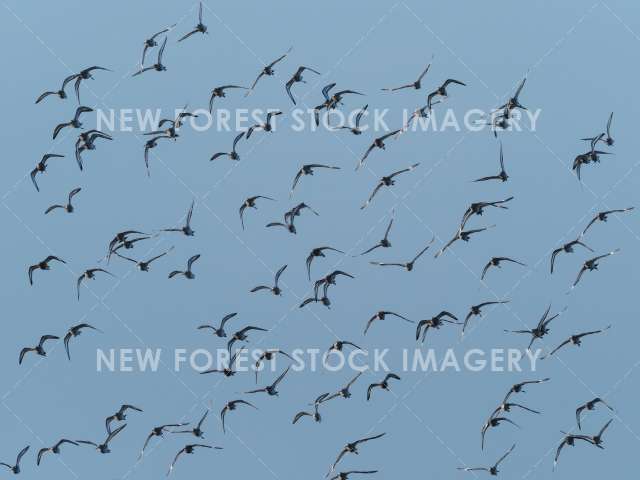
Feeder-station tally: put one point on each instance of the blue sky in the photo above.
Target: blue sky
(571, 54)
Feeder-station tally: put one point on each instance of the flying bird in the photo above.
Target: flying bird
(186, 229)
(158, 66)
(315, 414)
(441, 91)
(492, 423)
(74, 122)
(267, 71)
(68, 207)
(502, 176)
(296, 78)
(75, 331)
(603, 217)
(120, 415)
(219, 92)
(241, 335)
(79, 77)
(569, 440)
(187, 273)
(89, 274)
(567, 248)
(251, 203)
(268, 355)
(266, 126)
(495, 262)
(149, 145)
(416, 85)
(355, 129)
(197, 430)
(43, 265)
(493, 470)
(39, 349)
(377, 143)
(435, 322)
(233, 155)
(275, 289)
(151, 42)
(519, 387)
(189, 450)
(514, 102)
(477, 208)
(475, 310)
(159, 432)
(315, 253)
(464, 235)
(381, 315)
(61, 94)
(589, 406)
(408, 266)
(591, 265)
(352, 447)
(141, 265)
(597, 439)
(229, 370)
(308, 170)
(384, 385)
(16, 468)
(54, 449)
(576, 340)
(387, 181)
(41, 167)
(230, 406)
(344, 391)
(271, 389)
(199, 28)
(219, 331)
(541, 329)
(384, 243)
(86, 141)
(104, 447)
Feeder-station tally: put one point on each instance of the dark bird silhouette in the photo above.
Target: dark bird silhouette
(271, 389)
(502, 176)
(387, 181)
(603, 217)
(384, 243)
(408, 266)
(308, 170)
(228, 371)
(197, 430)
(475, 310)
(151, 42)
(241, 335)
(189, 450)
(68, 207)
(41, 167)
(79, 77)
(384, 384)
(519, 387)
(149, 145)
(267, 356)
(158, 66)
(251, 203)
(377, 143)
(381, 315)
(344, 392)
(267, 126)
(16, 468)
(493, 470)
(492, 423)
(74, 122)
(275, 289)
(315, 414)
(187, 273)
(141, 265)
(233, 154)
(54, 449)
(597, 439)
(86, 141)
(266, 71)
(199, 28)
(230, 406)
(604, 137)
(219, 331)
(569, 440)
(435, 322)
(441, 91)
(76, 331)
(104, 447)
(61, 94)
(495, 262)
(159, 432)
(89, 274)
(39, 349)
(514, 102)
(186, 229)
(477, 208)
(352, 448)
(297, 78)
(355, 129)
(541, 329)
(329, 280)
(416, 85)
(219, 92)
(43, 265)
(575, 340)
(589, 406)
(464, 235)
(591, 265)
(119, 416)
(315, 253)
(567, 248)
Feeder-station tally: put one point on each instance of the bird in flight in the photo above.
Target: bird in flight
(591, 265)
(381, 315)
(89, 274)
(159, 432)
(38, 349)
(575, 340)
(251, 203)
(104, 447)
(41, 167)
(119, 416)
(186, 229)
(308, 170)
(464, 235)
(441, 91)
(267, 126)
(416, 85)
(408, 266)
(377, 143)
(75, 331)
(315, 253)
(233, 154)
(141, 265)
(603, 217)
(187, 273)
(352, 447)
(68, 207)
(158, 66)
(297, 78)
(189, 450)
(435, 322)
(219, 331)
(268, 71)
(230, 406)
(219, 92)
(541, 329)
(79, 77)
(567, 248)
(199, 28)
(355, 129)
(569, 440)
(589, 406)
(16, 468)
(387, 181)
(475, 310)
(502, 176)
(495, 262)
(74, 122)
(493, 470)
(151, 42)
(55, 449)
(43, 265)
(384, 243)
(271, 389)
(275, 289)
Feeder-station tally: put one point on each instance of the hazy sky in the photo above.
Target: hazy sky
(574, 54)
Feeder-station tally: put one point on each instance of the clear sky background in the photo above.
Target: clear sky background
(580, 63)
